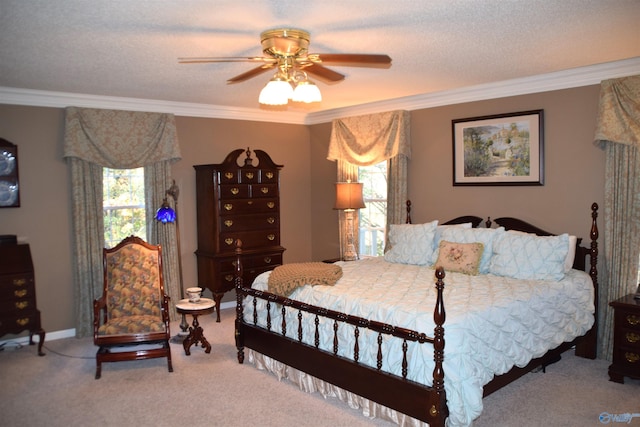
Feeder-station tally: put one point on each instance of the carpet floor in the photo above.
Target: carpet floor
(59, 389)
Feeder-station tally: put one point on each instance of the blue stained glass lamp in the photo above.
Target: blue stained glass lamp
(165, 213)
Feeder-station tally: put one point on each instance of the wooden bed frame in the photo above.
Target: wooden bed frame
(425, 403)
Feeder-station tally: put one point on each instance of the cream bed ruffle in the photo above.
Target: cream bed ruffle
(311, 384)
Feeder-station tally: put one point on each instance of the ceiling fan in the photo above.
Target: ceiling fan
(287, 51)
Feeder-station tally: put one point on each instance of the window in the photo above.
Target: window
(373, 218)
(123, 205)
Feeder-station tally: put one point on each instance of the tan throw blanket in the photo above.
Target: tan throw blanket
(284, 279)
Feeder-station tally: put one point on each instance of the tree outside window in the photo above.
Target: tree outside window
(123, 205)
(373, 218)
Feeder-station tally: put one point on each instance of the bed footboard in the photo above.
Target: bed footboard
(284, 342)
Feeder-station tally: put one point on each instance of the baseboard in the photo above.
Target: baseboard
(69, 333)
(49, 336)
(228, 304)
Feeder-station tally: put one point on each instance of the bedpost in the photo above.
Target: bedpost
(239, 299)
(588, 347)
(439, 413)
(408, 220)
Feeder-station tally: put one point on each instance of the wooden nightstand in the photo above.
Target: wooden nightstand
(626, 339)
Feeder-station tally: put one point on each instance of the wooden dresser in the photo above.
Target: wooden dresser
(626, 339)
(18, 310)
(237, 200)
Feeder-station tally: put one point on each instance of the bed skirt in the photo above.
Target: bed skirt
(311, 384)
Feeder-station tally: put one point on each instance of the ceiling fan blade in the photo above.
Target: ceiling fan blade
(322, 72)
(250, 74)
(225, 59)
(356, 59)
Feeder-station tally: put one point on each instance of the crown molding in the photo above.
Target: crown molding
(42, 98)
(566, 79)
(575, 77)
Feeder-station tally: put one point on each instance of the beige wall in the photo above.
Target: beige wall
(574, 168)
(44, 218)
(574, 178)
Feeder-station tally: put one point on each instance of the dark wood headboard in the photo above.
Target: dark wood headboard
(474, 220)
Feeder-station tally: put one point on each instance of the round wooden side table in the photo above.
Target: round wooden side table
(195, 309)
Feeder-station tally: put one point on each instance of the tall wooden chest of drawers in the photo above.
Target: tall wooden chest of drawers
(237, 201)
(626, 339)
(18, 310)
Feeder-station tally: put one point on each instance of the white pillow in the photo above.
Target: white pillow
(571, 255)
(441, 228)
(527, 256)
(411, 243)
(486, 236)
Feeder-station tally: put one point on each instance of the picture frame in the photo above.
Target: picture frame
(9, 181)
(502, 149)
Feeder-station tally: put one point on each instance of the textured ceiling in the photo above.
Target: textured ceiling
(126, 48)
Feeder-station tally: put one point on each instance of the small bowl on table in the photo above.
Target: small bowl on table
(194, 294)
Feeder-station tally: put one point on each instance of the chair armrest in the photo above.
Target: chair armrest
(99, 305)
(165, 308)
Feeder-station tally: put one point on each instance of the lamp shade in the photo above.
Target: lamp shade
(165, 213)
(307, 92)
(349, 195)
(276, 92)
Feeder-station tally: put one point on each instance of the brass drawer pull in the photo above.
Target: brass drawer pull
(228, 206)
(23, 321)
(632, 337)
(633, 320)
(267, 260)
(235, 191)
(229, 277)
(21, 305)
(20, 293)
(228, 175)
(228, 223)
(271, 220)
(631, 357)
(264, 190)
(19, 282)
(269, 175)
(271, 205)
(271, 236)
(249, 175)
(228, 241)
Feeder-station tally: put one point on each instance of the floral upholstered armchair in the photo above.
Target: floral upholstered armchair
(134, 308)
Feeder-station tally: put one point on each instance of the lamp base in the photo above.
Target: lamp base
(350, 253)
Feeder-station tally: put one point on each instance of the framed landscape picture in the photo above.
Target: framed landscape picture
(504, 149)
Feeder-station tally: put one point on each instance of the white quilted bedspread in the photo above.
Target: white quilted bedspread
(492, 322)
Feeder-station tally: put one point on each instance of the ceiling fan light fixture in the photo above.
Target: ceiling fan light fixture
(277, 91)
(307, 91)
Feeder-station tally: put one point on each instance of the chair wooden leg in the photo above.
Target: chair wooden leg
(169, 357)
(98, 370)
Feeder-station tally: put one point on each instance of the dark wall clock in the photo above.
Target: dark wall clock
(9, 183)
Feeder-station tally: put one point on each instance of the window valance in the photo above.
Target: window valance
(120, 139)
(619, 112)
(370, 139)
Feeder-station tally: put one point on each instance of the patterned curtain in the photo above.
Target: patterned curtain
(618, 134)
(368, 140)
(95, 139)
